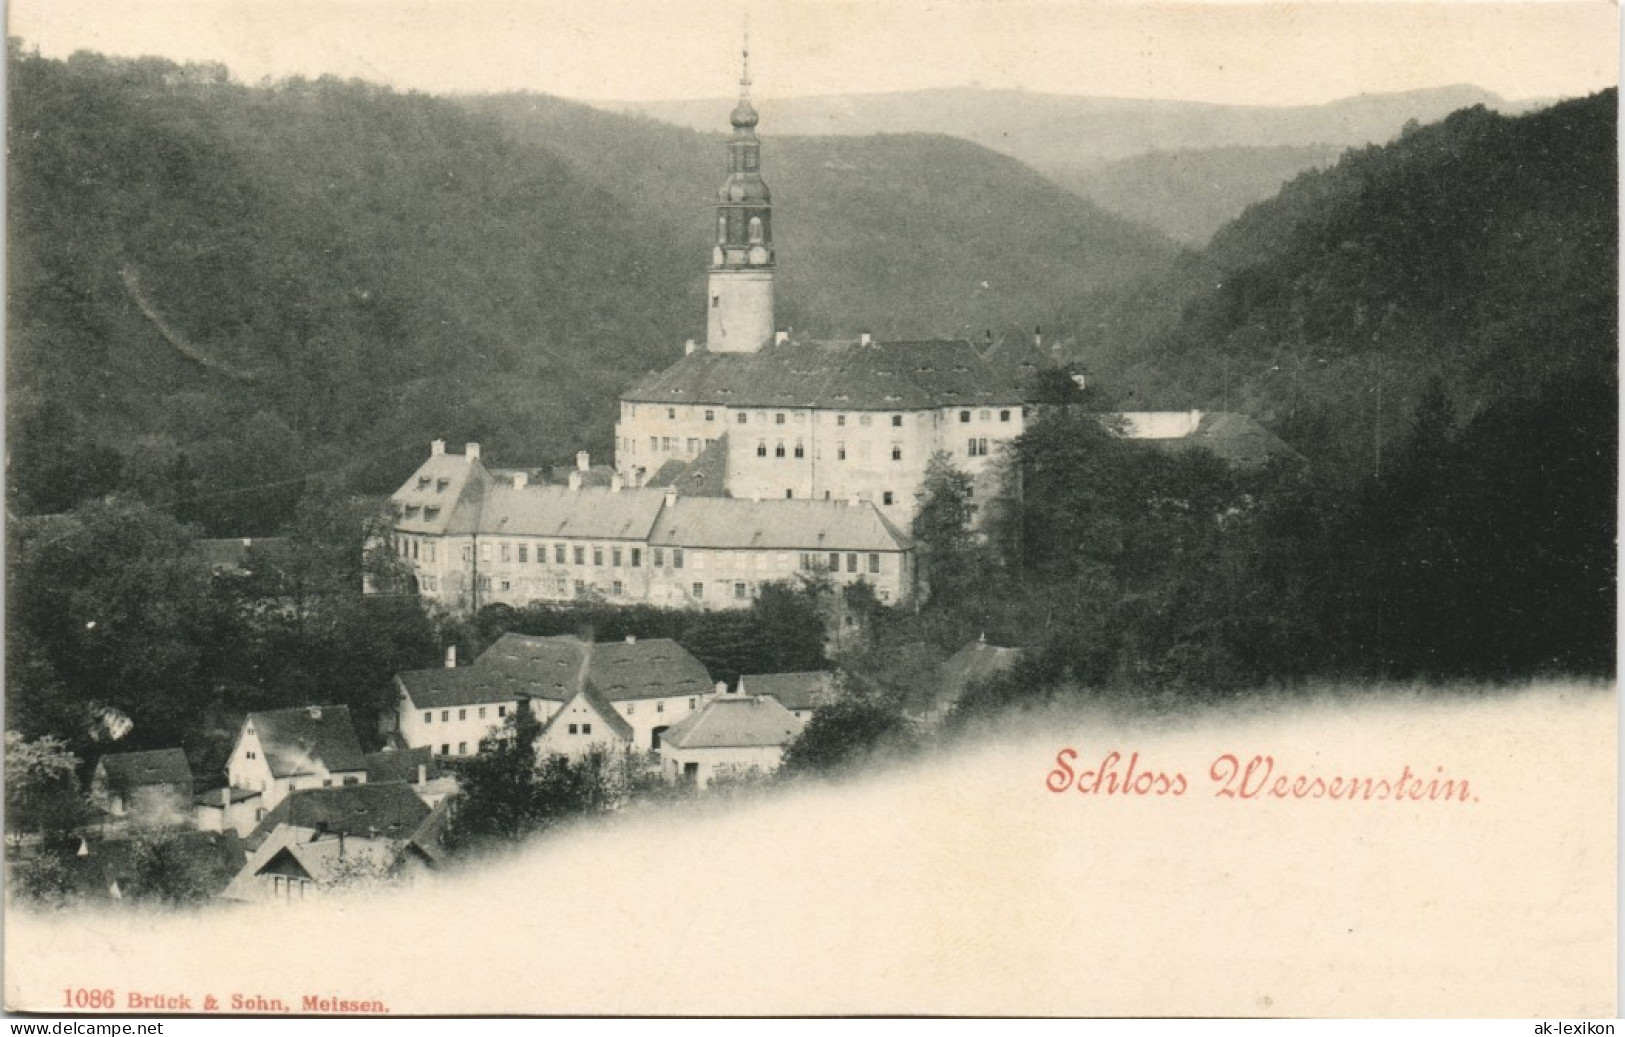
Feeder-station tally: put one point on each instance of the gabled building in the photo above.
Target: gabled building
(148, 788)
(586, 722)
(734, 735)
(647, 685)
(472, 539)
(282, 750)
(320, 839)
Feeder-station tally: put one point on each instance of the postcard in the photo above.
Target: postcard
(809, 508)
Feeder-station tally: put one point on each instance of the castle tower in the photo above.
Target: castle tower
(740, 298)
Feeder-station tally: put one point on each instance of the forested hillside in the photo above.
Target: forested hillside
(904, 235)
(1480, 250)
(218, 290)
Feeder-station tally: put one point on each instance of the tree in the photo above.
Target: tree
(854, 729)
(942, 529)
(42, 788)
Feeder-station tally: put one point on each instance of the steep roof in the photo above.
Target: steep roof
(207, 860)
(555, 668)
(127, 771)
(602, 706)
(401, 765)
(390, 810)
(835, 376)
(791, 690)
(443, 495)
(212, 797)
(976, 661)
(292, 738)
(705, 476)
(776, 524)
(734, 722)
(593, 512)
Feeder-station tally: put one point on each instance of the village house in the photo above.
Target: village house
(307, 747)
(147, 788)
(732, 736)
(320, 838)
(800, 693)
(647, 685)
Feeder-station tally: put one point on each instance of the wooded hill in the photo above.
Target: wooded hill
(1183, 167)
(217, 290)
(1480, 250)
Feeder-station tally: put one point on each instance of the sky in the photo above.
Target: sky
(639, 50)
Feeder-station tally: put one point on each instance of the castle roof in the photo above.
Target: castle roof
(776, 524)
(705, 476)
(443, 495)
(594, 512)
(836, 376)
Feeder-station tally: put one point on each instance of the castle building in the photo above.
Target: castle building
(471, 537)
(800, 419)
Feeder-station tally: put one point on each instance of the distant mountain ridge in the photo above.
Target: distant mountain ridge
(1183, 167)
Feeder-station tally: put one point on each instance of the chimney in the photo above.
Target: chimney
(631, 639)
(472, 451)
(583, 461)
(722, 688)
(521, 480)
(689, 347)
(671, 496)
(437, 448)
(865, 339)
(780, 337)
(423, 774)
(451, 657)
(575, 480)
(616, 482)
(225, 799)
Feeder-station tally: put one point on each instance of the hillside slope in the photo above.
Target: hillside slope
(1481, 250)
(216, 290)
(906, 234)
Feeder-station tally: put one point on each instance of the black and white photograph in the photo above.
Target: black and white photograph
(811, 508)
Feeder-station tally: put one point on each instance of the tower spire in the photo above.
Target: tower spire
(741, 283)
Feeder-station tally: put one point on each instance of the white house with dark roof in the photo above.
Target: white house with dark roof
(281, 750)
(733, 735)
(586, 722)
(646, 685)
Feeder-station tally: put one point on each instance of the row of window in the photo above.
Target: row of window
(813, 561)
(423, 484)
(414, 548)
(800, 417)
(799, 451)
(462, 714)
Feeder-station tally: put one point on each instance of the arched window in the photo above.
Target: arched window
(755, 230)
